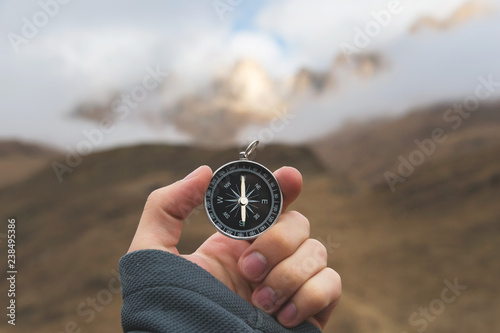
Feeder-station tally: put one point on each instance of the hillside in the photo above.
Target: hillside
(71, 234)
(367, 150)
(20, 161)
(393, 249)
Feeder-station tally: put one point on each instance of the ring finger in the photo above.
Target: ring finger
(289, 275)
(314, 301)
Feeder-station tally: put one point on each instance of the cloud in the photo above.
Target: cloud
(92, 48)
(258, 46)
(96, 47)
(314, 29)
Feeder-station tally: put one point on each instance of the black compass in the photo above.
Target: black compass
(244, 198)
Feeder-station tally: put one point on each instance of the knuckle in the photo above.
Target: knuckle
(281, 243)
(336, 282)
(153, 196)
(334, 276)
(315, 258)
(318, 250)
(286, 285)
(317, 298)
(292, 278)
(300, 221)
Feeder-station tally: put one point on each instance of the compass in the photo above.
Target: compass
(244, 198)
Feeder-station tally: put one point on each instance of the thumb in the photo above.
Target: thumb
(161, 221)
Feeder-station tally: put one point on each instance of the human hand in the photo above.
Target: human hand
(283, 272)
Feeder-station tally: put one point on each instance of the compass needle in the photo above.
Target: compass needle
(243, 191)
(243, 201)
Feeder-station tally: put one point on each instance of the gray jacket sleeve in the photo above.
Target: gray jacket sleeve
(163, 293)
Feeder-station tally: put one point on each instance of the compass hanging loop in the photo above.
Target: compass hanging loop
(244, 155)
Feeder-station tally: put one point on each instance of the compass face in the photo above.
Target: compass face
(243, 199)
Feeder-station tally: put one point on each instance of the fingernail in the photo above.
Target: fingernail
(265, 299)
(192, 174)
(288, 314)
(254, 265)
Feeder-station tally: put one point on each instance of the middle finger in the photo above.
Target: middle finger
(289, 275)
(272, 247)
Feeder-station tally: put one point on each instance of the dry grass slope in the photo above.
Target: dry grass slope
(393, 250)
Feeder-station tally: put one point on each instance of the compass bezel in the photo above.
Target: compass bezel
(242, 166)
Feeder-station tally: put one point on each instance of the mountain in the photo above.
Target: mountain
(247, 95)
(243, 95)
(362, 66)
(20, 160)
(307, 80)
(394, 250)
(367, 150)
(468, 11)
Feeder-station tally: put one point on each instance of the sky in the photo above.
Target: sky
(83, 50)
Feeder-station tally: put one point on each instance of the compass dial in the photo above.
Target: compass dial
(243, 199)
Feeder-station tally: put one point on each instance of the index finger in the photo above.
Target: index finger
(290, 181)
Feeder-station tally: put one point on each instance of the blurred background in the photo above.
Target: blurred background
(390, 109)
